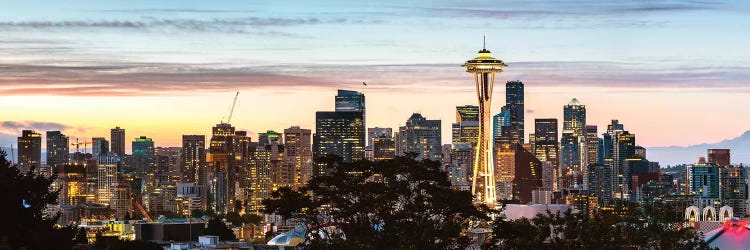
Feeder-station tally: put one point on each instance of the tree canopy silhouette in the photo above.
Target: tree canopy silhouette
(23, 200)
(399, 203)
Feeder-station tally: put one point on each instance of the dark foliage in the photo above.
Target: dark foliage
(113, 243)
(217, 227)
(401, 203)
(23, 200)
(626, 227)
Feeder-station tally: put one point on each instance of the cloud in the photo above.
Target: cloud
(240, 25)
(142, 79)
(32, 125)
(177, 10)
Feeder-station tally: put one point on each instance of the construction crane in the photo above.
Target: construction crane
(231, 111)
(141, 209)
(78, 144)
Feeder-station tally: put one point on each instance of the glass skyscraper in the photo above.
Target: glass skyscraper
(58, 149)
(420, 136)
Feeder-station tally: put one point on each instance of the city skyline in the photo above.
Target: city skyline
(183, 83)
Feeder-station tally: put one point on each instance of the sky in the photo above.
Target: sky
(674, 72)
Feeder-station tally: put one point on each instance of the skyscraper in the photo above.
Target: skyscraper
(29, 151)
(514, 104)
(341, 132)
(58, 149)
(219, 163)
(106, 177)
(420, 136)
(592, 144)
(298, 154)
(143, 154)
(734, 189)
(501, 124)
(193, 157)
(352, 101)
(466, 128)
(719, 157)
(573, 150)
(546, 149)
(484, 68)
(99, 146)
(117, 137)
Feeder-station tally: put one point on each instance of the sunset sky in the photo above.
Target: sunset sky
(674, 72)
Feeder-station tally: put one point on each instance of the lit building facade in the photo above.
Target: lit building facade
(514, 103)
(58, 149)
(99, 146)
(420, 136)
(298, 154)
(143, 154)
(29, 151)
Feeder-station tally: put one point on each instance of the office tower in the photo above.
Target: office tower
(592, 144)
(378, 132)
(734, 189)
(466, 128)
(219, 167)
(352, 101)
(546, 148)
(106, 177)
(484, 68)
(143, 154)
(71, 180)
(573, 142)
(624, 148)
(546, 140)
(702, 182)
(193, 157)
(514, 104)
(501, 124)
(420, 136)
(527, 175)
(338, 133)
(99, 146)
(168, 160)
(243, 148)
(29, 151)
(383, 148)
(600, 182)
(58, 149)
(117, 137)
(266, 169)
(298, 154)
(120, 201)
(719, 157)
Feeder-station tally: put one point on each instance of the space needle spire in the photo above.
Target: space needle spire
(484, 67)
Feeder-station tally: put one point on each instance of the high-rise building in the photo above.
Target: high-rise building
(268, 172)
(352, 101)
(378, 132)
(546, 148)
(58, 149)
(106, 177)
(466, 128)
(117, 137)
(29, 151)
(298, 154)
(99, 146)
(703, 184)
(383, 148)
(573, 149)
(719, 157)
(734, 191)
(484, 68)
(220, 166)
(514, 103)
(72, 183)
(420, 136)
(193, 157)
(143, 154)
(600, 182)
(592, 144)
(501, 124)
(270, 137)
(338, 133)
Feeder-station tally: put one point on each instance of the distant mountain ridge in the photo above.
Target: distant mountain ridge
(673, 155)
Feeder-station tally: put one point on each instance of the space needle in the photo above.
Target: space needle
(484, 68)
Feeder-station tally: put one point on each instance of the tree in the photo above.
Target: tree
(23, 200)
(627, 226)
(217, 227)
(81, 237)
(114, 243)
(403, 203)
